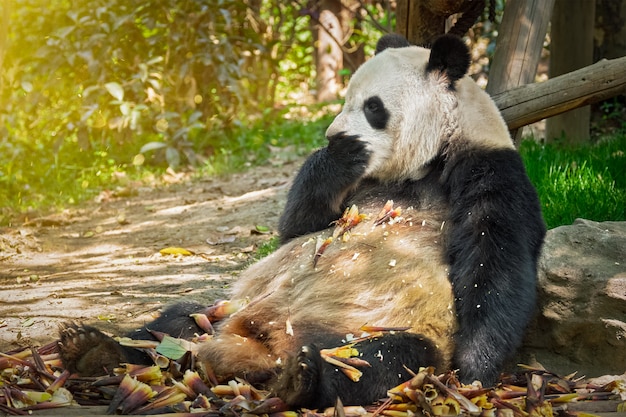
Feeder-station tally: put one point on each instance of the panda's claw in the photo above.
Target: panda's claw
(87, 351)
(299, 381)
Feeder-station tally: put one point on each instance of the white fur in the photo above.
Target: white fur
(425, 114)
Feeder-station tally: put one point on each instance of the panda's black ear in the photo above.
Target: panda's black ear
(391, 40)
(450, 56)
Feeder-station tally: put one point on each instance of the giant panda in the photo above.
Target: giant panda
(456, 269)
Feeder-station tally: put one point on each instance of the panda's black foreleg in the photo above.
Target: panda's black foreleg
(89, 352)
(494, 235)
(321, 186)
(309, 381)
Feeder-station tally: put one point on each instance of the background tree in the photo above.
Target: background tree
(422, 21)
(173, 72)
(518, 47)
(609, 43)
(570, 50)
(341, 31)
(4, 31)
(328, 35)
(610, 29)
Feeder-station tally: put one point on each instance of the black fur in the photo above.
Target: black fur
(322, 184)
(449, 55)
(89, 352)
(376, 113)
(494, 237)
(173, 320)
(391, 40)
(311, 382)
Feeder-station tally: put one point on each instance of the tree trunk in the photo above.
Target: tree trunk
(353, 55)
(329, 56)
(518, 47)
(422, 21)
(571, 48)
(610, 29)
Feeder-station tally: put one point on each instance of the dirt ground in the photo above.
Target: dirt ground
(100, 263)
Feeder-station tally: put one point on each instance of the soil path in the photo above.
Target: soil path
(100, 264)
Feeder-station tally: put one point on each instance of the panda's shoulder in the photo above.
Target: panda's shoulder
(478, 165)
(494, 183)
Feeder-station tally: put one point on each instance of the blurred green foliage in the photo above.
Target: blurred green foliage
(106, 94)
(88, 88)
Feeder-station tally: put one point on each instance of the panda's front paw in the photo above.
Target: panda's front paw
(348, 150)
(299, 381)
(87, 351)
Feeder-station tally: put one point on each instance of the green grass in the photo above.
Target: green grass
(583, 182)
(266, 248)
(274, 142)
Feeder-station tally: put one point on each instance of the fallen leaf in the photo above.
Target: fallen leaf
(175, 251)
(173, 348)
(28, 322)
(221, 240)
(262, 230)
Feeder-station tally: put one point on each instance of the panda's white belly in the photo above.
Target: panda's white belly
(390, 275)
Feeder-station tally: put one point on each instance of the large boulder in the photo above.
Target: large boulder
(581, 318)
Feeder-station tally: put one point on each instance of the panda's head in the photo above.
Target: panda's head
(410, 104)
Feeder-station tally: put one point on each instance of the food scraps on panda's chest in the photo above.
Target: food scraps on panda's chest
(350, 219)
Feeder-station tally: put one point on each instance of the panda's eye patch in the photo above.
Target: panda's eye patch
(375, 112)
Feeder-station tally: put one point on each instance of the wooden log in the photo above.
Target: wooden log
(533, 102)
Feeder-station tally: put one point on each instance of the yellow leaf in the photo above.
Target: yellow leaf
(175, 251)
(346, 352)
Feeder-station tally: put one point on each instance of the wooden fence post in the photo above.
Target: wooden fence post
(571, 48)
(518, 46)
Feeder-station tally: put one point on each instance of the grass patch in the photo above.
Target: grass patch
(583, 182)
(267, 247)
(277, 141)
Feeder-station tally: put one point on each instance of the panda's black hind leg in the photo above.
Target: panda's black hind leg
(309, 381)
(87, 351)
(300, 380)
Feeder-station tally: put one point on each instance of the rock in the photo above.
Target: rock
(581, 319)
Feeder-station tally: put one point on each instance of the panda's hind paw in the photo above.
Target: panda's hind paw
(308, 368)
(299, 381)
(87, 351)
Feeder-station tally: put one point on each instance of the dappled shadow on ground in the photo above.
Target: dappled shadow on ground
(100, 264)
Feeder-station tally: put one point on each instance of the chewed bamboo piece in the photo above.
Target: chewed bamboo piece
(32, 379)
